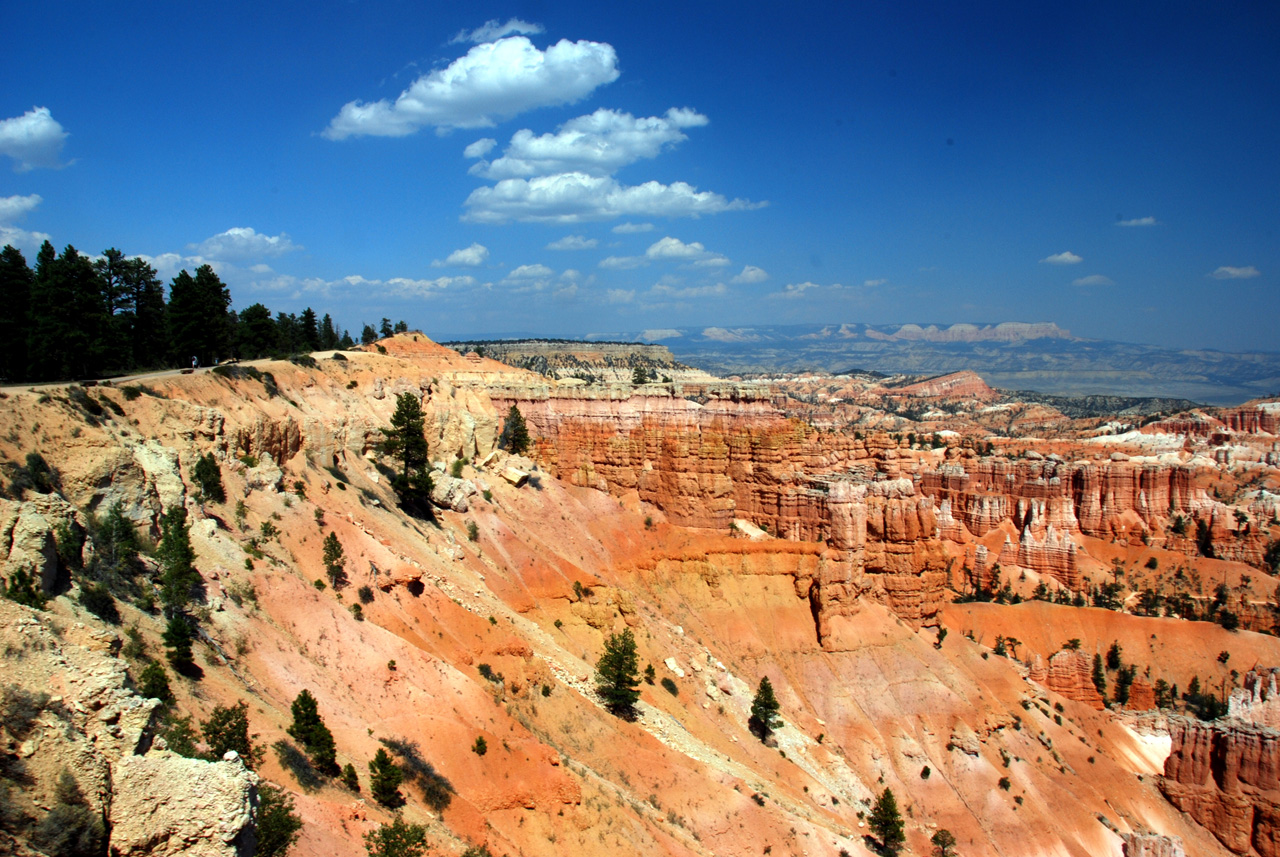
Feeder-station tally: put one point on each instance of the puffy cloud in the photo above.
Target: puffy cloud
(1066, 257)
(674, 248)
(873, 283)
(1226, 272)
(751, 274)
(1138, 221)
(408, 287)
(467, 257)
(631, 228)
(241, 243)
(791, 291)
(598, 144)
(623, 263)
(494, 81)
(1093, 280)
(573, 242)
(491, 30)
(28, 242)
(529, 273)
(480, 148)
(33, 140)
(620, 296)
(14, 207)
(578, 197)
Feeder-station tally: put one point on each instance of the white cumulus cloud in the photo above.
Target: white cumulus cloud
(480, 148)
(33, 140)
(573, 242)
(1066, 257)
(1093, 280)
(598, 144)
(467, 257)
(694, 253)
(242, 244)
(873, 283)
(751, 274)
(1138, 221)
(14, 207)
(632, 228)
(494, 81)
(28, 242)
(1227, 272)
(491, 30)
(578, 197)
(623, 263)
(529, 272)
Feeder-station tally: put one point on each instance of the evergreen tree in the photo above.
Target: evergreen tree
(406, 440)
(368, 335)
(515, 434)
(208, 475)
(199, 324)
(16, 280)
(112, 269)
(309, 329)
(277, 823)
(228, 729)
(385, 329)
(349, 778)
(256, 334)
(68, 316)
(177, 642)
(944, 843)
(764, 711)
(328, 334)
(153, 683)
(397, 839)
(148, 331)
(385, 778)
(618, 675)
(309, 729)
(1099, 676)
(402, 326)
(334, 561)
(177, 561)
(346, 343)
(886, 823)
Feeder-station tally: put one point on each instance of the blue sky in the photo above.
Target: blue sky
(569, 168)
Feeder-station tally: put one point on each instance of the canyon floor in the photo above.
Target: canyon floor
(925, 570)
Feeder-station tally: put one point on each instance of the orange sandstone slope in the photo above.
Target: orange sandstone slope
(840, 618)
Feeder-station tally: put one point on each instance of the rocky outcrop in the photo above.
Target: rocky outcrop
(1256, 700)
(1151, 845)
(27, 535)
(165, 805)
(83, 717)
(957, 385)
(1226, 775)
(1070, 674)
(280, 439)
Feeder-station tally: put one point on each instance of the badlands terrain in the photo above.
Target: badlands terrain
(1000, 611)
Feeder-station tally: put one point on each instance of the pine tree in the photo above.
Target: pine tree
(310, 330)
(228, 729)
(385, 778)
(256, 334)
(334, 561)
(764, 711)
(397, 839)
(153, 683)
(277, 823)
(177, 570)
(368, 335)
(944, 843)
(309, 729)
(208, 476)
(1099, 676)
(199, 324)
(886, 822)
(349, 778)
(618, 675)
(177, 641)
(16, 280)
(515, 434)
(328, 334)
(406, 440)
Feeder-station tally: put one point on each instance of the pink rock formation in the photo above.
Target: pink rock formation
(1071, 675)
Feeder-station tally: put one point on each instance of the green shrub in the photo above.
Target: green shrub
(228, 729)
(366, 594)
(480, 747)
(399, 838)
(153, 683)
(349, 778)
(277, 824)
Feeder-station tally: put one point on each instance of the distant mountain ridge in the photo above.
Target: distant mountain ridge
(1036, 356)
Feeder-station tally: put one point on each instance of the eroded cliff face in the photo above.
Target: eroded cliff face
(1226, 775)
(68, 707)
